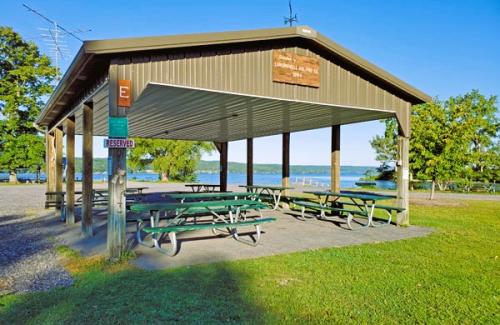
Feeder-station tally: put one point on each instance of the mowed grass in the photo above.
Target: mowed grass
(451, 276)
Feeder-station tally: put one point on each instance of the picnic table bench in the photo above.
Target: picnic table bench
(360, 204)
(176, 215)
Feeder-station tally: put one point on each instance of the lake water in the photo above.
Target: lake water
(347, 180)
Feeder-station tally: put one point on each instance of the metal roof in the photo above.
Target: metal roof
(94, 56)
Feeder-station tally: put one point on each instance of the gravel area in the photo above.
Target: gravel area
(28, 261)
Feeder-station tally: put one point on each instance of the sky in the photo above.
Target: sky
(444, 48)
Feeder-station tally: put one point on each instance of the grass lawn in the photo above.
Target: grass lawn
(451, 276)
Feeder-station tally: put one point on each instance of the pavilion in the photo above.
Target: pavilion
(218, 87)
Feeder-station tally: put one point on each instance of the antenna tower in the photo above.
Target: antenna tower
(291, 17)
(55, 38)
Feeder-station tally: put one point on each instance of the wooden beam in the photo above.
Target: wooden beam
(117, 178)
(218, 146)
(70, 170)
(50, 163)
(58, 135)
(87, 161)
(403, 175)
(335, 159)
(250, 161)
(285, 169)
(223, 166)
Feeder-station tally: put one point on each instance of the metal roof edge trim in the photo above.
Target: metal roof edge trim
(56, 94)
(122, 45)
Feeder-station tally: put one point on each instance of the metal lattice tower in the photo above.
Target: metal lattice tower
(55, 37)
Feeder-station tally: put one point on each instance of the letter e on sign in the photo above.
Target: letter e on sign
(124, 93)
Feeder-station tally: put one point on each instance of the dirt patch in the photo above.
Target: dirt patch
(438, 202)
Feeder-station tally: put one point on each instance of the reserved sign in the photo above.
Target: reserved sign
(119, 143)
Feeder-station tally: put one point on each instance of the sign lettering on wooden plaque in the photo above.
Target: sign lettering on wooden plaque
(295, 69)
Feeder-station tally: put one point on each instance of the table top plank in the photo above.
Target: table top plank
(147, 207)
(269, 187)
(181, 196)
(352, 195)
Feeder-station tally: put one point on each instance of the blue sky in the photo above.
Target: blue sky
(444, 48)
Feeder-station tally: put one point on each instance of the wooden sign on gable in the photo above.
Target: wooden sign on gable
(295, 69)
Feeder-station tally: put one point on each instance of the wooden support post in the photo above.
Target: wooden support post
(335, 162)
(403, 174)
(117, 178)
(87, 162)
(223, 166)
(250, 161)
(285, 181)
(50, 163)
(70, 170)
(58, 135)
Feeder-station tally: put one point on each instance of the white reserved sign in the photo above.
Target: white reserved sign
(119, 143)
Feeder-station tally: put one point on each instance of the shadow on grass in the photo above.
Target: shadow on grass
(204, 294)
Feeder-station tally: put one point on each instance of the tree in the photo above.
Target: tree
(171, 159)
(484, 127)
(451, 140)
(386, 149)
(25, 81)
(438, 142)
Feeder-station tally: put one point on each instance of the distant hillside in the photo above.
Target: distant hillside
(240, 168)
(100, 166)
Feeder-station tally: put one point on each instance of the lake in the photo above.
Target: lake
(347, 180)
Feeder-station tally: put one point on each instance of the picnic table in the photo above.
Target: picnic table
(54, 199)
(200, 187)
(136, 190)
(364, 203)
(182, 197)
(272, 190)
(178, 213)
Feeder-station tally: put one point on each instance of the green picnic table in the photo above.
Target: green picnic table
(272, 190)
(364, 204)
(201, 187)
(183, 197)
(177, 214)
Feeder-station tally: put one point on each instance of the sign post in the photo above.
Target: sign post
(120, 99)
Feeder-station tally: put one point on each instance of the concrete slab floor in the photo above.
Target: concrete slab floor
(286, 235)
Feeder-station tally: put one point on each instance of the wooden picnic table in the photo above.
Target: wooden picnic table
(182, 197)
(364, 201)
(272, 190)
(200, 187)
(180, 211)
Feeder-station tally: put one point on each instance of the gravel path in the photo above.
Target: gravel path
(28, 261)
